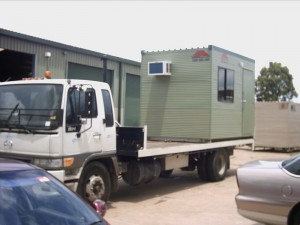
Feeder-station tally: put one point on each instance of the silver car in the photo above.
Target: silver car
(269, 191)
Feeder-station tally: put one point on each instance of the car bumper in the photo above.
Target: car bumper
(261, 210)
(59, 174)
(263, 217)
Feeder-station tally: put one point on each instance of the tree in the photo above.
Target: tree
(275, 84)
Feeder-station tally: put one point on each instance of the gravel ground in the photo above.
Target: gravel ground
(183, 198)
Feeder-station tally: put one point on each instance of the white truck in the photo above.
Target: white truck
(68, 128)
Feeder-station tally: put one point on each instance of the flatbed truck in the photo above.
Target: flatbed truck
(68, 128)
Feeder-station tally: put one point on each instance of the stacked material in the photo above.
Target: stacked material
(277, 125)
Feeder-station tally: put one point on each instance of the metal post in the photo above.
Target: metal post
(104, 59)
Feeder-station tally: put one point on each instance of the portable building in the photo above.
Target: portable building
(200, 95)
(277, 125)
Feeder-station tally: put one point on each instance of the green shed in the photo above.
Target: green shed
(199, 95)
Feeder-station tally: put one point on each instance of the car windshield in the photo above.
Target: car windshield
(31, 106)
(292, 165)
(32, 197)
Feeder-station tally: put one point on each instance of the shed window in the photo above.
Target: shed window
(225, 85)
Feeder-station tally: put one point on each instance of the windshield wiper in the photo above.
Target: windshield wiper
(12, 112)
(28, 131)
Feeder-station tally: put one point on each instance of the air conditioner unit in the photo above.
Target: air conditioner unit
(159, 68)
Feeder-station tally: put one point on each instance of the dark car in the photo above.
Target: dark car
(31, 196)
(269, 191)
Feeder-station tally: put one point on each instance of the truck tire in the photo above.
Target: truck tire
(94, 183)
(217, 165)
(202, 168)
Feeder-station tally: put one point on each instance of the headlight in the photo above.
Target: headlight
(49, 163)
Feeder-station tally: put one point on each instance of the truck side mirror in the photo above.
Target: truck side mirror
(89, 96)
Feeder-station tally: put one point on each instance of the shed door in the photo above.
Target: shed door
(132, 100)
(248, 103)
(78, 71)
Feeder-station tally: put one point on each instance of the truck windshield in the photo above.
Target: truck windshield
(31, 106)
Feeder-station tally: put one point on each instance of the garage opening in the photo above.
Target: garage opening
(15, 65)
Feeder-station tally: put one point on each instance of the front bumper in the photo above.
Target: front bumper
(261, 210)
(72, 184)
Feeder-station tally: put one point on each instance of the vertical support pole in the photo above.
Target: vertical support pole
(104, 59)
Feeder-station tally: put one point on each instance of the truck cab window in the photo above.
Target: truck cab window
(109, 117)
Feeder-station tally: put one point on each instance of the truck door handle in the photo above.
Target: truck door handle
(96, 135)
(244, 101)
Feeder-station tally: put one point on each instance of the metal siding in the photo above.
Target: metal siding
(176, 106)
(249, 107)
(55, 62)
(277, 125)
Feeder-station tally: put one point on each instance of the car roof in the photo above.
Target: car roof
(13, 165)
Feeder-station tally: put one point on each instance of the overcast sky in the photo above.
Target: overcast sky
(266, 31)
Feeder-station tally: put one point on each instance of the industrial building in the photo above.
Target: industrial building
(27, 56)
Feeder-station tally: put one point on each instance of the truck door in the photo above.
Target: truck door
(248, 103)
(82, 128)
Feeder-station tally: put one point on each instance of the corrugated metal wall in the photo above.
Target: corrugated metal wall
(24, 46)
(277, 125)
(176, 106)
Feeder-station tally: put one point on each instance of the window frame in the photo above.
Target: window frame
(226, 85)
(108, 108)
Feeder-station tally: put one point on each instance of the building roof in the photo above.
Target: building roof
(210, 47)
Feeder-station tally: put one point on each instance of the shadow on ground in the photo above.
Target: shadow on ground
(178, 181)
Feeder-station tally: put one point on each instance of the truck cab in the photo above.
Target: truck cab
(60, 125)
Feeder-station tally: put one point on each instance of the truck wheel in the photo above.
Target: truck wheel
(202, 168)
(217, 165)
(165, 173)
(94, 183)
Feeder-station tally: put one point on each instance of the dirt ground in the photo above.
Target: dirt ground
(183, 198)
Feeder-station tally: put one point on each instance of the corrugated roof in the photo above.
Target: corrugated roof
(210, 47)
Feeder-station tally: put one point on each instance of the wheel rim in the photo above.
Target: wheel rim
(221, 165)
(95, 188)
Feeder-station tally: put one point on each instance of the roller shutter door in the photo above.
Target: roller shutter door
(132, 100)
(78, 71)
